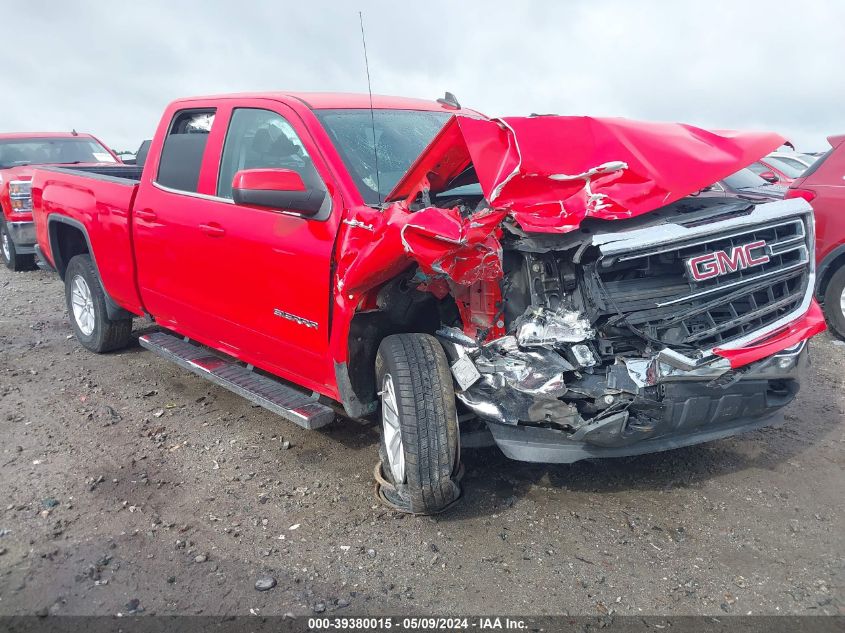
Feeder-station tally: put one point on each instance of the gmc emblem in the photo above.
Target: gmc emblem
(723, 262)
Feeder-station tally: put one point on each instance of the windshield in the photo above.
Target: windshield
(744, 179)
(400, 136)
(789, 166)
(52, 151)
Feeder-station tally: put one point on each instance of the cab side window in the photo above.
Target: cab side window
(261, 139)
(181, 157)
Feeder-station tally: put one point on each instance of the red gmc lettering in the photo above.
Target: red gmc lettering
(730, 264)
(704, 267)
(722, 262)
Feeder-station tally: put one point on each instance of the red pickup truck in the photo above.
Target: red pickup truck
(18, 153)
(546, 277)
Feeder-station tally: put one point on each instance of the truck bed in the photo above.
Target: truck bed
(97, 201)
(131, 173)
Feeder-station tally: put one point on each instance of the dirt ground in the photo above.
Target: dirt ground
(128, 485)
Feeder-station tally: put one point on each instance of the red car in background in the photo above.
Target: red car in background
(18, 153)
(781, 169)
(744, 184)
(823, 186)
(771, 174)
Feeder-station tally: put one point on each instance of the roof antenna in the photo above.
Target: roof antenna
(450, 101)
(372, 112)
(74, 132)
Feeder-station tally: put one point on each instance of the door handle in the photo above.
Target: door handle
(212, 229)
(148, 215)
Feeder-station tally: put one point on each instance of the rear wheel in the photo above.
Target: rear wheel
(86, 306)
(834, 303)
(10, 255)
(420, 449)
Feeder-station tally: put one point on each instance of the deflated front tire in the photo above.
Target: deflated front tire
(420, 448)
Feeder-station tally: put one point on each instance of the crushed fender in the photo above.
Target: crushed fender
(377, 244)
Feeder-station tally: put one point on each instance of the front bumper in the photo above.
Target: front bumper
(23, 236)
(690, 410)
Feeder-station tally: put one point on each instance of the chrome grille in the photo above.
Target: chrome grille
(651, 291)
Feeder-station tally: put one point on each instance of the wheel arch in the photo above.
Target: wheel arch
(398, 307)
(68, 238)
(827, 268)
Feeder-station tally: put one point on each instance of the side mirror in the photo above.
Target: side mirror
(276, 189)
(769, 176)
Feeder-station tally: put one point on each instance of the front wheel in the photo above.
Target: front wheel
(86, 306)
(9, 253)
(834, 303)
(420, 448)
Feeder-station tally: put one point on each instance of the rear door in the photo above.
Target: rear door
(173, 263)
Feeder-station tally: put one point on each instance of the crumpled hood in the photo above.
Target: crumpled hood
(550, 172)
(544, 174)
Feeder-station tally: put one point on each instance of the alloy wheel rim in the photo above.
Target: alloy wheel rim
(392, 431)
(83, 305)
(842, 301)
(7, 251)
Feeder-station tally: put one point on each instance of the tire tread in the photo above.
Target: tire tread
(428, 417)
(108, 335)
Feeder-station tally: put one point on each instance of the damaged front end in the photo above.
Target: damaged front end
(610, 348)
(578, 305)
(568, 401)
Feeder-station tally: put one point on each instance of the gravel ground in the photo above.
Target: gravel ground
(129, 485)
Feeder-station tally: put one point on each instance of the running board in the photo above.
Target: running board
(293, 405)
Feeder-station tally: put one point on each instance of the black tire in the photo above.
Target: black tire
(833, 299)
(9, 254)
(105, 335)
(428, 422)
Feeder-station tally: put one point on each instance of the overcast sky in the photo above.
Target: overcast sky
(109, 68)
